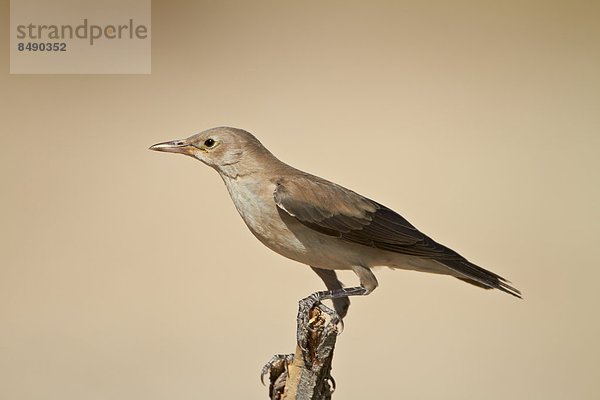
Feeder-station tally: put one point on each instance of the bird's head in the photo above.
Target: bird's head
(221, 148)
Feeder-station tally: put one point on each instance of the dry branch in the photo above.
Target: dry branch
(306, 375)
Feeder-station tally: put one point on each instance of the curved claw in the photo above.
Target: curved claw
(275, 362)
(333, 385)
(342, 326)
(263, 372)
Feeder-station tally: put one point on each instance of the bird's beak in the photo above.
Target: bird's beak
(175, 146)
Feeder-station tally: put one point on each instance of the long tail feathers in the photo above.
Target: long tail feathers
(480, 277)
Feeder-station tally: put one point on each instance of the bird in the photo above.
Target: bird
(322, 224)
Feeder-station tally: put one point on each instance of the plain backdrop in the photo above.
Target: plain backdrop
(127, 274)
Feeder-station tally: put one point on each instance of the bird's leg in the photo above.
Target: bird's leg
(368, 283)
(314, 300)
(306, 304)
(329, 277)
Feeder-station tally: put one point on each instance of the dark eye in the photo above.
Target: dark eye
(209, 142)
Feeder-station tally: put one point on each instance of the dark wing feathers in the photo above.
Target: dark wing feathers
(333, 210)
(336, 211)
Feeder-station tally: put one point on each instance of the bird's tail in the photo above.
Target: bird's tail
(475, 275)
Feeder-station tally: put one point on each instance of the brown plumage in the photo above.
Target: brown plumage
(319, 223)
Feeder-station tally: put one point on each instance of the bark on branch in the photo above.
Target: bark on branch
(306, 375)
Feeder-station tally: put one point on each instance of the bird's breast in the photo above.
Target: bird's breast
(277, 230)
(254, 202)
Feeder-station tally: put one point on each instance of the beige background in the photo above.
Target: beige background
(127, 274)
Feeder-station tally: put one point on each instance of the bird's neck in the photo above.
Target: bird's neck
(251, 164)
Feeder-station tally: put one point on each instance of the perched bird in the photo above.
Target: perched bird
(320, 223)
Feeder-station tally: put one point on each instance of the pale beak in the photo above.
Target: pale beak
(175, 146)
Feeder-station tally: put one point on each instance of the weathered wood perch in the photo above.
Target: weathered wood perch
(306, 375)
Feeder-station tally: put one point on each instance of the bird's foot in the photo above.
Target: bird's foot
(277, 368)
(312, 328)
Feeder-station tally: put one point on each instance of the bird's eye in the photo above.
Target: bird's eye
(209, 142)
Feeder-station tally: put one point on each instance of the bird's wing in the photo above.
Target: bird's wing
(336, 211)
